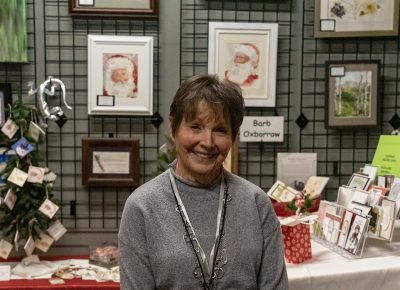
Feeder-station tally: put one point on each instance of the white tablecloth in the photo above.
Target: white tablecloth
(378, 269)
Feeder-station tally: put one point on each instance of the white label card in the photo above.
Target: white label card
(86, 2)
(5, 273)
(262, 129)
(328, 25)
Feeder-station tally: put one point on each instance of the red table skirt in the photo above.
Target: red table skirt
(44, 284)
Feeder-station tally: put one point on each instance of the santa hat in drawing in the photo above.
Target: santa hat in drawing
(118, 61)
(251, 51)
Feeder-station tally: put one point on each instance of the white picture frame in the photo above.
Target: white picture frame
(260, 41)
(120, 75)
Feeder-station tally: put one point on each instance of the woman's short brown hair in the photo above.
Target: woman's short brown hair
(222, 96)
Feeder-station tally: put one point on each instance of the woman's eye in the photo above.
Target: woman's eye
(195, 127)
(221, 130)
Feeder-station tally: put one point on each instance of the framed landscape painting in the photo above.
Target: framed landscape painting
(352, 94)
(246, 54)
(355, 18)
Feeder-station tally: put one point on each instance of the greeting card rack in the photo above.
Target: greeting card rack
(332, 231)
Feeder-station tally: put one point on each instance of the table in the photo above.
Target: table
(378, 269)
(44, 284)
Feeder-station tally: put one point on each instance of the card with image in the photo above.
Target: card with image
(9, 128)
(29, 246)
(18, 177)
(57, 230)
(344, 231)
(5, 249)
(356, 234)
(44, 242)
(22, 147)
(388, 217)
(35, 131)
(332, 227)
(49, 208)
(10, 199)
(35, 174)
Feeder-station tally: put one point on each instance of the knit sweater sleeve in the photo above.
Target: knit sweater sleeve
(272, 274)
(135, 268)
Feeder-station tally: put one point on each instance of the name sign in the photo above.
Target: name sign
(262, 129)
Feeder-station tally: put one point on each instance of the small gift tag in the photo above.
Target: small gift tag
(44, 242)
(18, 177)
(35, 131)
(5, 249)
(22, 147)
(29, 246)
(9, 128)
(10, 199)
(57, 230)
(49, 208)
(35, 174)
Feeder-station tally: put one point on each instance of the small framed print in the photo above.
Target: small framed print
(120, 75)
(361, 18)
(57, 230)
(282, 193)
(110, 162)
(35, 174)
(351, 97)
(358, 181)
(115, 8)
(9, 128)
(22, 147)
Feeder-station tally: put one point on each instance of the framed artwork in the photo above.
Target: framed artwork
(246, 54)
(110, 162)
(120, 75)
(13, 31)
(354, 18)
(125, 8)
(352, 90)
(5, 100)
(231, 162)
(359, 181)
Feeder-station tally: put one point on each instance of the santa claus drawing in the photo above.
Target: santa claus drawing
(243, 66)
(120, 75)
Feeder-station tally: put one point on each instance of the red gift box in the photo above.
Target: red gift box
(297, 243)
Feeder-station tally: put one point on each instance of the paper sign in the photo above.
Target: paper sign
(387, 155)
(262, 129)
(5, 273)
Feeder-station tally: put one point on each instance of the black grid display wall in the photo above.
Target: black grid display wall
(300, 85)
(256, 160)
(59, 49)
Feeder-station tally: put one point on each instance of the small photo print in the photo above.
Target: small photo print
(9, 128)
(22, 147)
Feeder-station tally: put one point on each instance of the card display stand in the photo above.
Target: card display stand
(344, 225)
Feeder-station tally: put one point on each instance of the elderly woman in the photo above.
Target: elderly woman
(197, 226)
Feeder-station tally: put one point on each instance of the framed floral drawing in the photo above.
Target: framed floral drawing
(245, 53)
(120, 75)
(110, 162)
(353, 18)
(124, 8)
(352, 90)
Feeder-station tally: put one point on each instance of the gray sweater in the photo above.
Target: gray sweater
(154, 254)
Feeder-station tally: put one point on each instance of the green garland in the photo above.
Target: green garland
(25, 217)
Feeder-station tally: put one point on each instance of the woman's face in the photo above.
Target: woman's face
(202, 145)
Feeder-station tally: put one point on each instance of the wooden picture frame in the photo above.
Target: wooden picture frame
(355, 18)
(120, 75)
(5, 101)
(246, 53)
(110, 162)
(352, 90)
(114, 8)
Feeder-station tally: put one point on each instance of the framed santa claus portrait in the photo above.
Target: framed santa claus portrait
(245, 53)
(120, 75)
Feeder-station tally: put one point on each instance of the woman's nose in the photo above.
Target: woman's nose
(207, 138)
